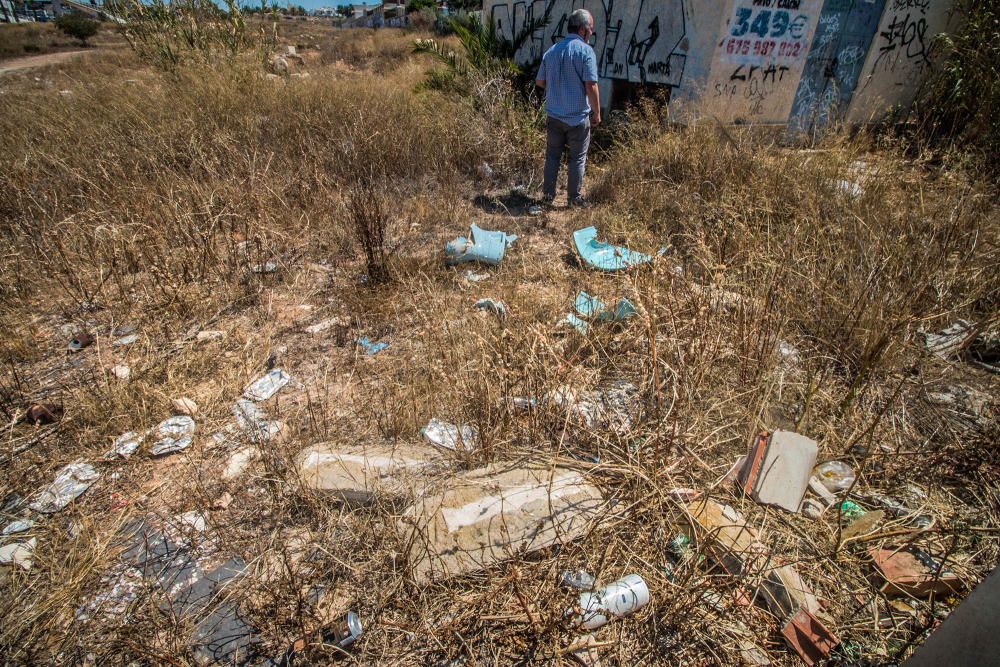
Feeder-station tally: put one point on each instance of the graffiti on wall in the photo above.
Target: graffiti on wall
(903, 44)
(642, 41)
(759, 58)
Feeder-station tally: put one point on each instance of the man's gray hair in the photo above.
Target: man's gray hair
(578, 19)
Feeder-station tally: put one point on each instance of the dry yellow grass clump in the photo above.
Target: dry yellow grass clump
(216, 198)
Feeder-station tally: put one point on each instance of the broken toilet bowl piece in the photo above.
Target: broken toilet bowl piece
(604, 256)
(494, 513)
(483, 246)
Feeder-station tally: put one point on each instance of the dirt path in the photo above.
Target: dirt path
(29, 62)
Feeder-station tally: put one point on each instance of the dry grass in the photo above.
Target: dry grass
(28, 39)
(147, 198)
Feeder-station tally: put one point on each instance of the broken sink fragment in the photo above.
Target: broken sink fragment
(591, 308)
(604, 256)
(486, 247)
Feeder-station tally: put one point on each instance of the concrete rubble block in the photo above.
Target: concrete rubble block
(359, 474)
(494, 513)
(777, 469)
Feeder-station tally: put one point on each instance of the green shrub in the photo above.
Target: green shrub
(77, 26)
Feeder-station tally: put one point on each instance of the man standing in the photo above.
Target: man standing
(568, 74)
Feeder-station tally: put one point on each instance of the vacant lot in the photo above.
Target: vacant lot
(218, 214)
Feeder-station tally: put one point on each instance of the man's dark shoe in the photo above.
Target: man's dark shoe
(548, 200)
(579, 202)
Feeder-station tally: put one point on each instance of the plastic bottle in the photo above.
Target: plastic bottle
(619, 598)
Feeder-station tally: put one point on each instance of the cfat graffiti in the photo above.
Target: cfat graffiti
(642, 41)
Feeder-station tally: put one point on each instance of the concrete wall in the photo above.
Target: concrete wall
(807, 64)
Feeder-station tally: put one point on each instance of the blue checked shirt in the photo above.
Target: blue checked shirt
(564, 68)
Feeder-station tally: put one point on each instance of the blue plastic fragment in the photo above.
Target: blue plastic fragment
(486, 247)
(494, 306)
(604, 256)
(370, 347)
(578, 324)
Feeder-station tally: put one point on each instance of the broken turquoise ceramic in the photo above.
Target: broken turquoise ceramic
(578, 324)
(604, 256)
(592, 308)
(485, 247)
(369, 347)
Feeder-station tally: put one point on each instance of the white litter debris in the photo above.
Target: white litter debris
(122, 372)
(209, 335)
(239, 461)
(952, 339)
(320, 327)
(125, 340)
(18, 526)
(252, 422)
(18, 553)
(176, 434)
(266, 267)
(194, 520)
(474, 277)
(267, 386)
(444, 434)
(69, 483)
(836, 476)
(125, 445)
(850, 188)
(615, 406)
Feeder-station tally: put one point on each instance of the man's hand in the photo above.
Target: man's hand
(590, 87)
(595, 119)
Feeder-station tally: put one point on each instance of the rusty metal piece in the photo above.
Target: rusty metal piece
(808, 637)
(43, 413)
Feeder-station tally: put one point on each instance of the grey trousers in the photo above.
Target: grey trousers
(559, 135)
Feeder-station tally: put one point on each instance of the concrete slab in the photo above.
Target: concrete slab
(494, 513)
(357, 474)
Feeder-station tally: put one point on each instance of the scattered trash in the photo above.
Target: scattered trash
(239, 461)
(789, 353)
(849, 188)
(615, 406)
(808, 637)
(812, 509)
(223, 501)
(951, 340)
(369, 347)
(523, 404)
(535, 209)
(580, 580)
(267, 386)
(266, 267)
(494, 306)
(18, 526)
(486, 247)
(863, 525)
(176, 434)
(912, 571)
(43, 413)
(449, 436)
(493, 513)
(250, 419)
(603, 256)
(121, 371)
(817, 487)
(474, 277)
(204, 336)
(836, 476)
(849, 511)
(320, 327)
(593, 309)
(70, 482)
(485, 170)
(194, 520)
(679, 546)
(18, 553)
(345, 632)
(126, 444)
(776, 471)
(125, 340)
(891, 504)
(80, 341)
(731, 541)
(185, 406)
(616, 600)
